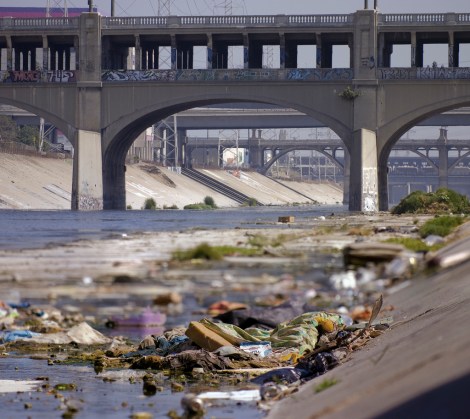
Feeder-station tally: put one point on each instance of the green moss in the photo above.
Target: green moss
(326, 383)
(440, 226)
(443, 201)
(413, 244)
(207, 252)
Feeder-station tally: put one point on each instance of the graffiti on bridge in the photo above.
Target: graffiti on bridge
(226, 75)
(424, 73)
(53, 76)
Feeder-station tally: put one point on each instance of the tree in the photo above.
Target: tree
(8, 129)
(29, 135)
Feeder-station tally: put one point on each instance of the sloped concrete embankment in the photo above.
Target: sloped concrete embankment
(419, 368)
(29, 182)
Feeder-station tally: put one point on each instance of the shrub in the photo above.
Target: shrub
(170, 207)
(129, 207)
(209, 201)
(440, 202)
(252, 202)
(150, 204)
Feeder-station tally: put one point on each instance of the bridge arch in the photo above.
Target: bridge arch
(390, 133)
(276, 157)
(64, 126)
(119, 134)
(459, 160)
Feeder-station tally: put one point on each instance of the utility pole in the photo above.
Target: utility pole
(56, 4)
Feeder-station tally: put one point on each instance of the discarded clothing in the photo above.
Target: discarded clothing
(300, 333)
(17, 335)
(268, 317)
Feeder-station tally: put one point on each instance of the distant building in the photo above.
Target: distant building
(29, 12)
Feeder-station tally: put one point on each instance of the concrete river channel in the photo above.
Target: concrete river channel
(46, 237)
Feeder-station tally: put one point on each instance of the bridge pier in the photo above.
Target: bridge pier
(87, 183)
(363, 173)
(346, 176)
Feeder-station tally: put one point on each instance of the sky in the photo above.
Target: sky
(210, 7)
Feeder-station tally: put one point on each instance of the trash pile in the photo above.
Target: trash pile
(269, 350)
(271, 360)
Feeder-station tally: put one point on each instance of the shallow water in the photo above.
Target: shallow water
(119, 399)
(34, 229)
(95, 397)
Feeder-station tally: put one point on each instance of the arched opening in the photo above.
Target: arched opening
(427, 153)
(36, 158)
(117, 145)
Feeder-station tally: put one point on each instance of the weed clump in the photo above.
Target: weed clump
(414, 244)
(443, 201)
(206, 252)
(440, 226)
(208, 204)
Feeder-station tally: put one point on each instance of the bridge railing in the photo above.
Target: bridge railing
(258, 20)
(424, 18)
(424, 73)
(32, 24)
(229, 75)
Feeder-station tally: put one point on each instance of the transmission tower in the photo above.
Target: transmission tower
(57, 5)
(223, 7)
(165, 132)
(164, 7)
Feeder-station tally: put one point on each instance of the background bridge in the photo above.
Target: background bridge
(101, 81)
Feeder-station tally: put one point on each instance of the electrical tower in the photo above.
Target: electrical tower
(165, 132)
(57, 5)
(223, 7)
(164, 7)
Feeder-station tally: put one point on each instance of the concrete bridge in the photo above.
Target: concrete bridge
(85, 84)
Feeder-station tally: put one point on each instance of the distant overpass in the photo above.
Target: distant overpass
(252, 116)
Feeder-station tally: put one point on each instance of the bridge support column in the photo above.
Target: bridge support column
(443, 159)
(346, 176)
(87, 183)
(413, 49)
(138, 54)
(364, 180)
(453, 51)
(9, 53)
(45, 53)
(87, 180)
(255, 153)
